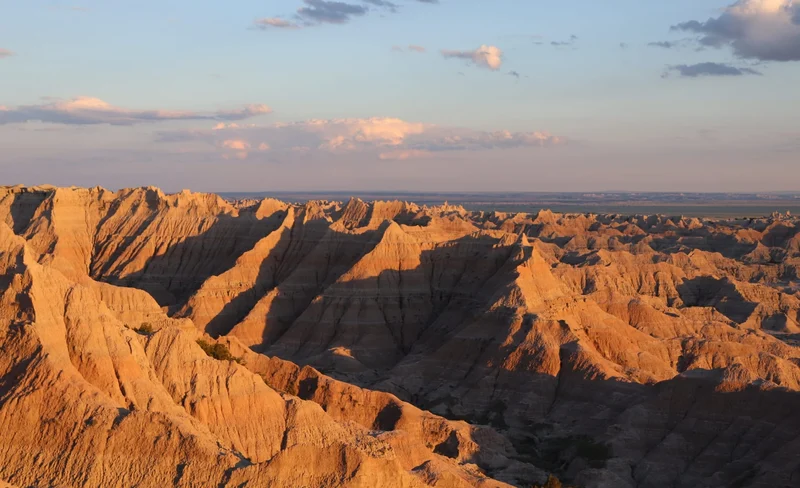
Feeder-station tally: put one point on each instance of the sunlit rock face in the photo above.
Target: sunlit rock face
(157, 340)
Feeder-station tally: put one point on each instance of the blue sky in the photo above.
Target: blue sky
(518, 95)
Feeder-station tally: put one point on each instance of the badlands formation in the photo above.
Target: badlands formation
(391, 345)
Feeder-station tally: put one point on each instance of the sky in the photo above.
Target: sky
(401, 95)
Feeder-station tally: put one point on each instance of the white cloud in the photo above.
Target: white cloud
(489, 57)
(5, 53)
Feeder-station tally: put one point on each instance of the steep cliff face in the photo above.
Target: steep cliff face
(396, 345)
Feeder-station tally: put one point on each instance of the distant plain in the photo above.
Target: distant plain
(711, 205)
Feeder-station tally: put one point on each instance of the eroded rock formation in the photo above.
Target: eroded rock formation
(389, 344)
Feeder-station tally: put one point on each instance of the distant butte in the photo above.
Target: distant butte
(161, 340)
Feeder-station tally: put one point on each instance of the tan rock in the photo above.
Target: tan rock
(405, 345)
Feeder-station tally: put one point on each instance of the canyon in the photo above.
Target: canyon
(149, 339)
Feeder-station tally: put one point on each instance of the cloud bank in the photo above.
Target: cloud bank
(386, 138)
(766, 30)
(91, 111)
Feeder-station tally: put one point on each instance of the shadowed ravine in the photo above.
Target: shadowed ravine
(393, 344)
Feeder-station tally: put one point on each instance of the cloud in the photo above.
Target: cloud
(709, 69)
(489, 57)
(514, 74)
(411, 48)
(5, 53)
(568, 43)
(442, 139)
(223, 126)
(324, 12)
(274, 23)
(348, 133)
(318, 12)
(681, 43)
(403, 155)
(386, 138)
(90, 111)
(766, 30)
(392, 7)
(663, 44)
(246, 112)
(236, 144)
(239, 148)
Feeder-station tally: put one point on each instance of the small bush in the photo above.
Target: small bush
(145, 329)
(218, 351)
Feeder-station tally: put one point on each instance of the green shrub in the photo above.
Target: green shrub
(145, 329)
(218, 351)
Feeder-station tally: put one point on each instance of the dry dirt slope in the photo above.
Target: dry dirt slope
(611, 350)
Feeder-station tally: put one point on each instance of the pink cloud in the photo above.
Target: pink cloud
(90, 111)
(386, 137)
(275, 23)
(240, 148)
(404, 155)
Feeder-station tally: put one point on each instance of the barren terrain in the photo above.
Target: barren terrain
(183, 340)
